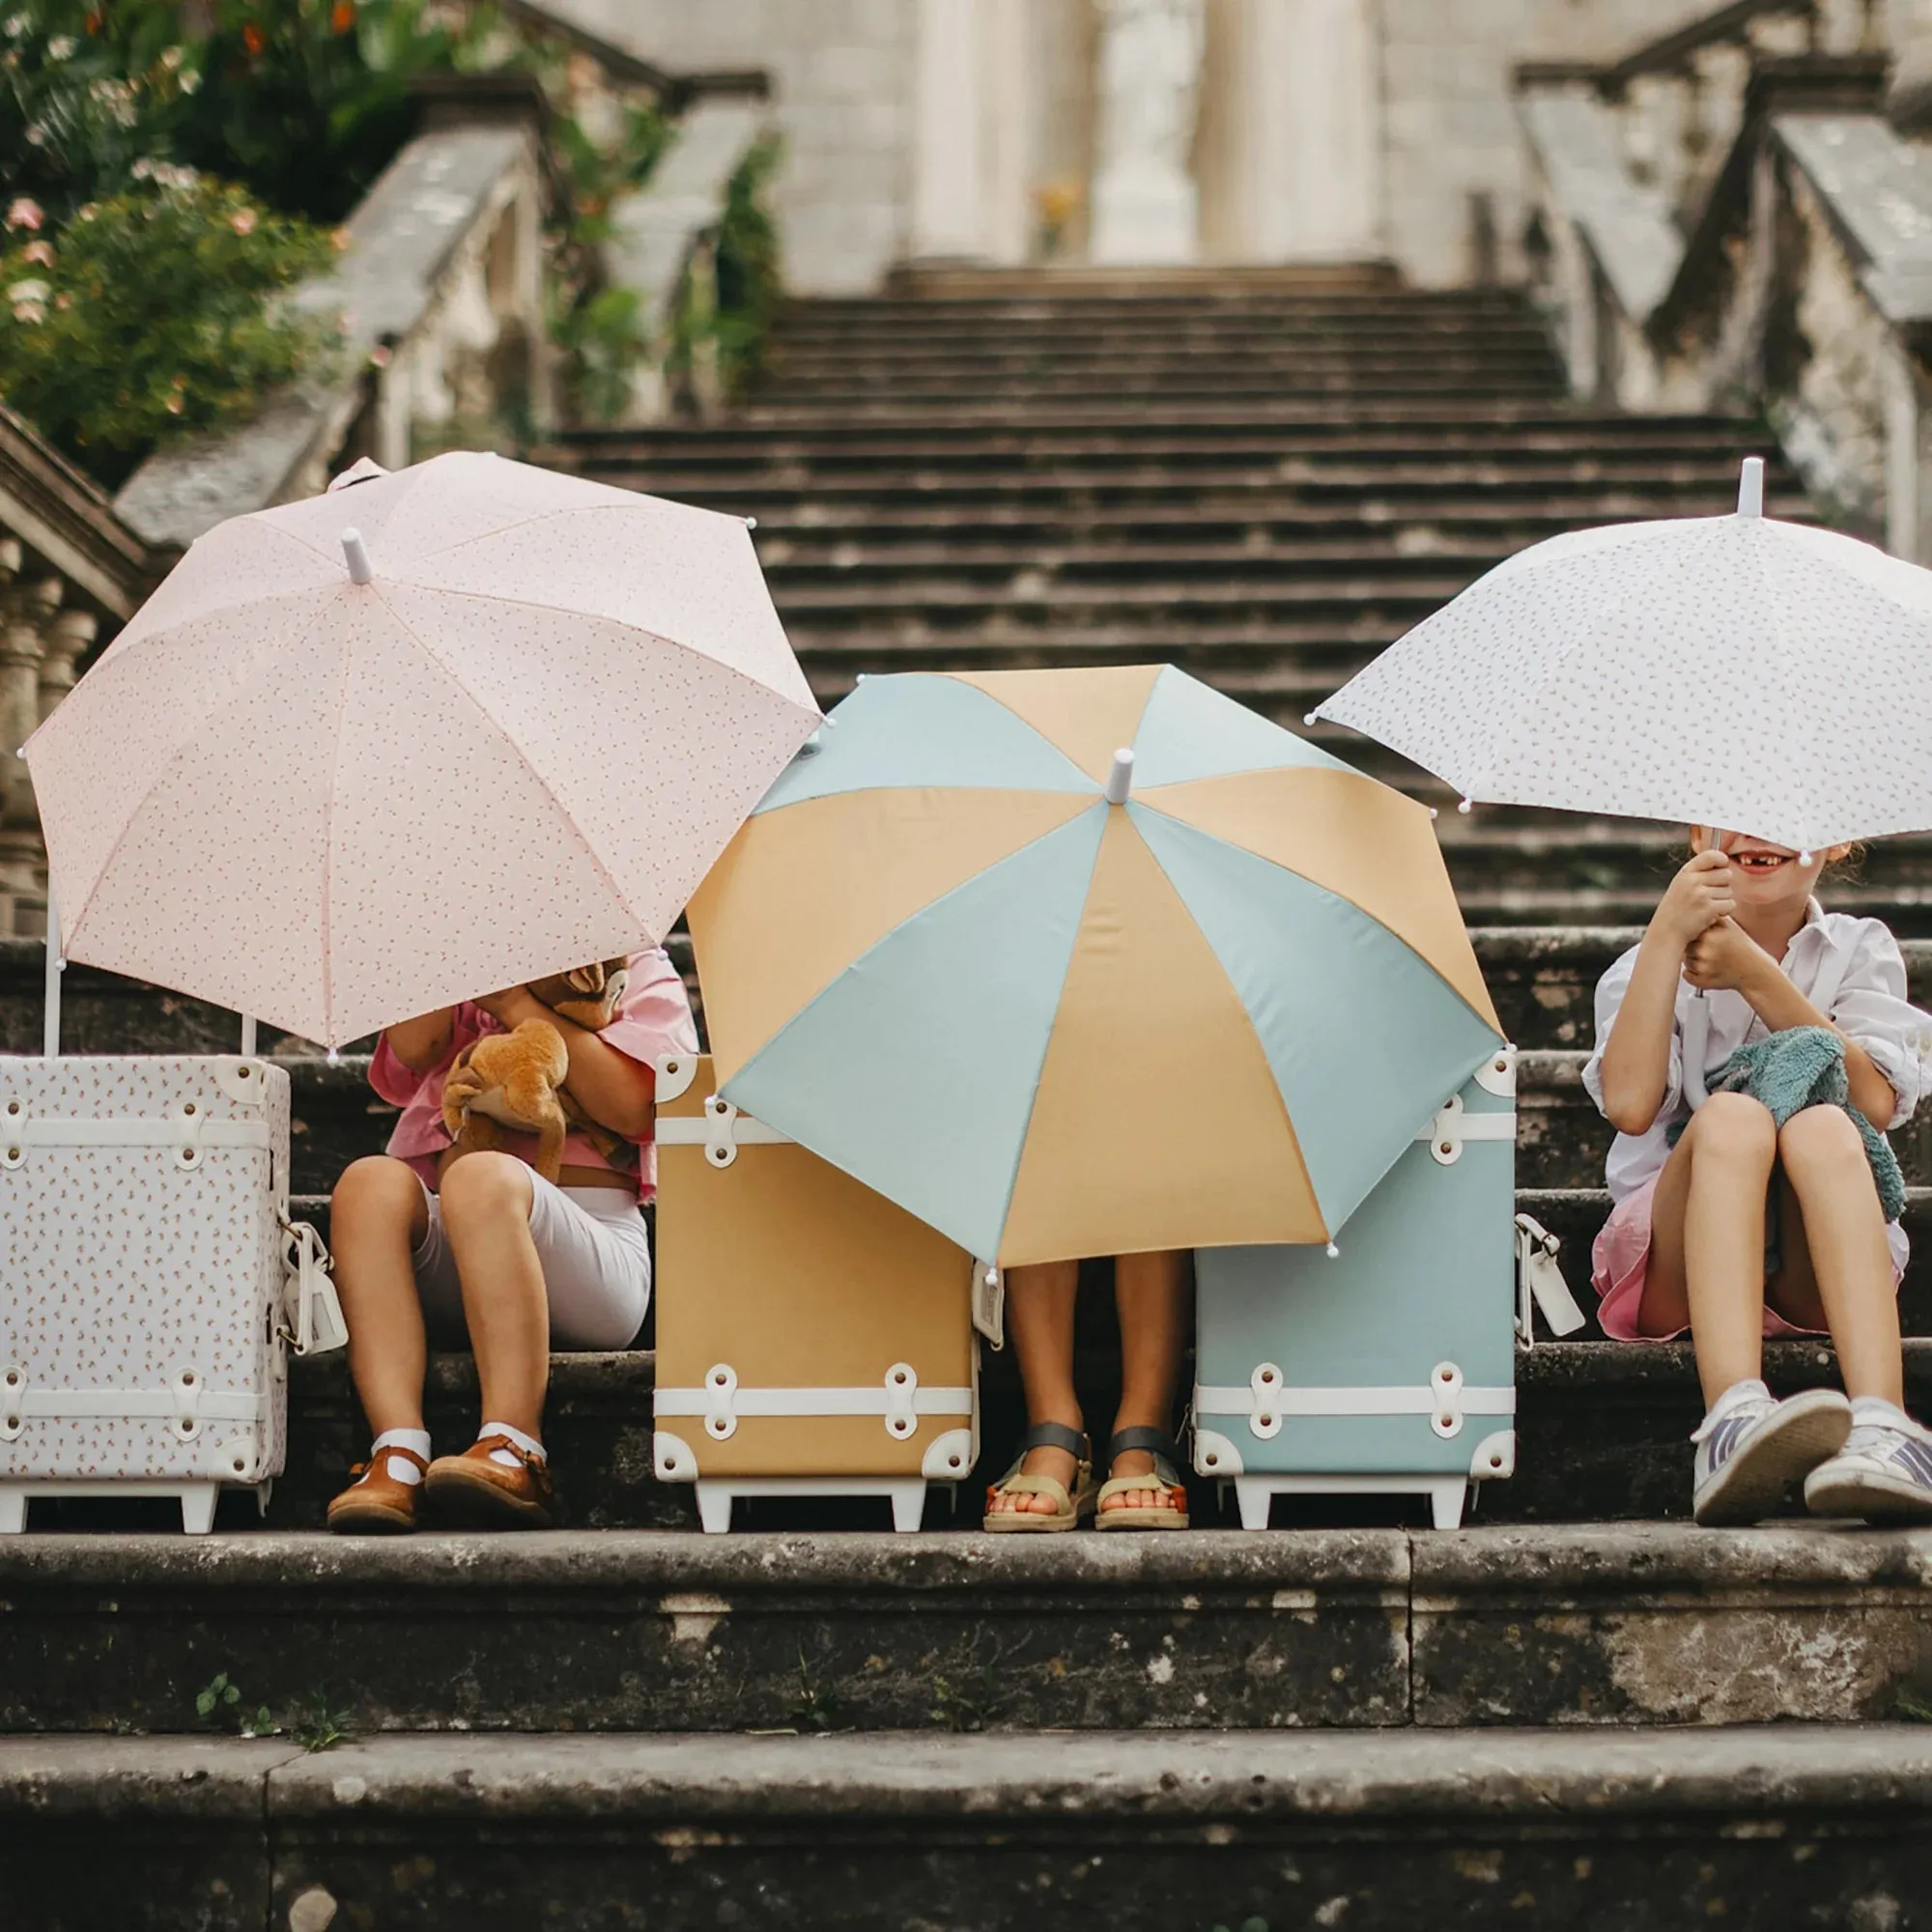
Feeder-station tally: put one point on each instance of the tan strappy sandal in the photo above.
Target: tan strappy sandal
(1067, 1510)
(1171, 1512)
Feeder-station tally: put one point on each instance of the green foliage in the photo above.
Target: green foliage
(307, 100)
(219, 1702)
(750, 279)
(153, 312)
(84, 95)
(312, 1723)
(819, 1706)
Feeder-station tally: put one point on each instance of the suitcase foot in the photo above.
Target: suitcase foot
(1446, 1494)
(905, 1494)
(197, 1504)
(12, 1510)
(1255, 1494)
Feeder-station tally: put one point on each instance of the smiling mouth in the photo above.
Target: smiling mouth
(1760, 863)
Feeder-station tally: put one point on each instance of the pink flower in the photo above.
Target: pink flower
(242, 221)
(25, 214)
(39, 253)
(378, 356)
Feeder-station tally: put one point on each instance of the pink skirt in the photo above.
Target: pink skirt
(1619, 1262)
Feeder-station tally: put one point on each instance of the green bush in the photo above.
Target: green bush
(153, 313)
(750, 279)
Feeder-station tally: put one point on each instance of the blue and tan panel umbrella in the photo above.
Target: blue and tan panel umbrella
(957, 956)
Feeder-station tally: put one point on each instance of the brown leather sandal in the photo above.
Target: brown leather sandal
(1171, 1513)
(375, 1503)
(1067, 1510)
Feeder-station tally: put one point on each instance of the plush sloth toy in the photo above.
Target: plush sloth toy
(515, 1080)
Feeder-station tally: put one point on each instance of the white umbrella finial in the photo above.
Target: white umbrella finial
(1121, 778)
(360, 571)
(1750, 488)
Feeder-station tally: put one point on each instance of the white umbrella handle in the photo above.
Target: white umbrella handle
(1697, 1041)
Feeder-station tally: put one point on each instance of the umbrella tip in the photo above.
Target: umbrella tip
(1750, 488)
(1334, 1253)
(357, 555)
(1121, 778)
(751, 523)
(1464, 807)
(1308, 719)
(1804, 858)
(334, 1057)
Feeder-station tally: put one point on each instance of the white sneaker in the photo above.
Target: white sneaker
(1751, 1449)
(1883, 1473)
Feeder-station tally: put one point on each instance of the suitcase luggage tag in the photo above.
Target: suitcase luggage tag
(1540, 1284)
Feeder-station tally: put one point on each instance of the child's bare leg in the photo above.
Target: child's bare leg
(485, 1213)
(377, 1219)
(1841, 1251)
(1706, 1240)
(1150, 1295)
(1040, 1322)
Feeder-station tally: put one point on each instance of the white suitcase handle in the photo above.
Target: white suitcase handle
(1540, 1284)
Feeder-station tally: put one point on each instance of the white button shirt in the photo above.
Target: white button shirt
(1860, 956)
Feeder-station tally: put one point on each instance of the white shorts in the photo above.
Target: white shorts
(596, 1256)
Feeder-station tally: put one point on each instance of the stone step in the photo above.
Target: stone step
(1602, 1625)
(1603, 1433)
(1398, 422)
(1417, 484)
(1757, 1827)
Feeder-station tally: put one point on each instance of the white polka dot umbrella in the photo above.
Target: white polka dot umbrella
(1737, 671)
(335, 775)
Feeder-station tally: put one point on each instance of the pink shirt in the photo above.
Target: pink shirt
(653, 1019)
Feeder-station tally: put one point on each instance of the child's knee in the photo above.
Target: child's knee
(376, 1190)
(1822, 1137)
(1737, 1126)
(484, 1184)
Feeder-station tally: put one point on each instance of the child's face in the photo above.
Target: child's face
(1764, 875)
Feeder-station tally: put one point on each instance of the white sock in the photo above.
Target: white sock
(1752, 1389)
(529, 1444)
(1873, 1411)
(397, 1467)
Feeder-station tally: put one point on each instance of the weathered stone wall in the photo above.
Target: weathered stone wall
(844, 75)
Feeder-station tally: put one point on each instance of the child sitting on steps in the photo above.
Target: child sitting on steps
(1737, 1225)
(480, 1247)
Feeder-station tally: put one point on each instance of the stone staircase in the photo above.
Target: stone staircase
(1579, 1712)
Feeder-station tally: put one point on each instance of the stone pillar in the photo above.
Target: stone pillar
(22, 856)
(1146, 206)
(1909, 27)
(1296, 116)
(972, 160)
(946, 171)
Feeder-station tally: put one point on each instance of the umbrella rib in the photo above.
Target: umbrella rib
(621, 499)
(502, 597)
(329, 851)
(530, 765)
(1780, 655)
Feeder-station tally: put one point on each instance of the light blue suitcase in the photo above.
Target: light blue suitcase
(1390, 1366)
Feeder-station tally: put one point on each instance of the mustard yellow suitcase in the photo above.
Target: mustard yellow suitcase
(812, 1339)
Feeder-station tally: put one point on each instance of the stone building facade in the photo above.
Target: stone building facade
(1142, 131)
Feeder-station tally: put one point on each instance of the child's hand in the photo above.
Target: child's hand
(498, 1005)
(1697, 899)
(1726, 958)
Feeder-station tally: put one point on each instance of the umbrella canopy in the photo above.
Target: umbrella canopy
(1736, 671)
(954, 955)
(336, 778)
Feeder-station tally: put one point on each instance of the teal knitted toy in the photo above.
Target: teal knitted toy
(1805, 1066)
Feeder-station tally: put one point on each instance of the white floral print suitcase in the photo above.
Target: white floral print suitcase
(812, 1339)
(151, 1281)
(1389, 1366)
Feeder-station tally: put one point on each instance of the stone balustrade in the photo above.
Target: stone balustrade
(1787, 270)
